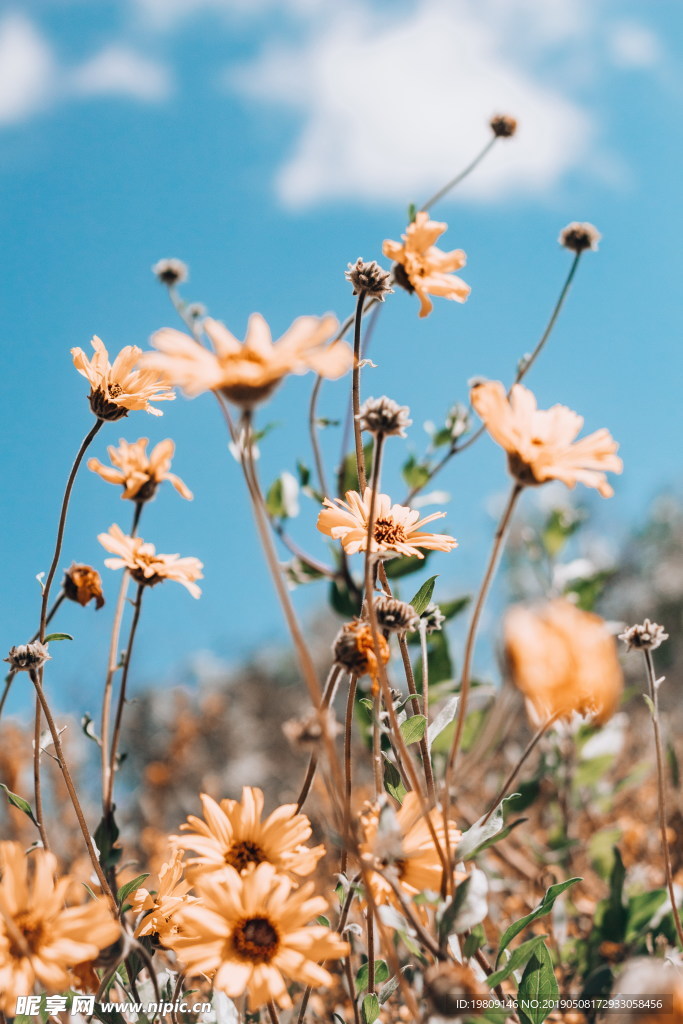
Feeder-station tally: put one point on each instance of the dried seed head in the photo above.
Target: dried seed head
(369, 278)
(103, 408)
(354, 648)
(83, 584)
(647, 636)
(433, 618)
(503, 126)
(384, 416)
(448, 986)
(579, 237)
(27, 657)
(458, 421)
(195, 310)
(170, 272)
(394, 615)
(307, 733)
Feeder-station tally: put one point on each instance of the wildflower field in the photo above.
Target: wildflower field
(428, 841)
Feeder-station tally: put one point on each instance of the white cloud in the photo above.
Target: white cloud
(120, 71)
(169, 14)
(393, 105)
(634, 46)
(27, 69)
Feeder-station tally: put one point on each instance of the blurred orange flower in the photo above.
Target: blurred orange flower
(424, 268)
(396, 527)
(119, 388)
(145, 565)
(248, 373)
(251, 933)
(541, 443)
(563, 660)
(139, 473)
(159, 907)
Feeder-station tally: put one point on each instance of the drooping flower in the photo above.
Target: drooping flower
(248, 373)
(541, 443)
(233, 835)
(422, 267)
(145, 565)
(354, 648)
(401, 843)
(252, 934)
(563, 660)
(40, 937)
(117, 389)
(139, 473)
(160, 907)
(396, 527)
(83, 584)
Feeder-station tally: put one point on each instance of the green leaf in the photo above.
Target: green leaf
(424, 595)
(538, 988)
(106, 834)
(19, 802)
(482, 832)
(57, 636)
(325, 921)
(612, 912)
(641, 909)
(341, 599)
(438, 660)
(413, 729)
(544, 907)
(449, 609)
(474, 941)
(412, 212)
(416, 474)
(393, 782)
(130, 887)
(451, 910)
(275, 500)
(519, 957)
(363, 975)
(370, 1009)
(398, 567)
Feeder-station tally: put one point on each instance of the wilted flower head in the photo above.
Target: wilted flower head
(579, 237)
(541, 443)
(563, 660)
(233, 834)
(117, 389)
(252, 932)
(422, 267)
(393, 615)
(41, 937)
(145, 565)
(369, 278)
(170, 272)
(432, 618)
(307, 733)
(384, 416)
(503, 126)
(139, 473)
(248, 373)
(354, 648)
(83, 584)
(396, 527)
(27, 657)
(645, 637)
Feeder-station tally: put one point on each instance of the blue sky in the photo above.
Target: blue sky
(267, 144)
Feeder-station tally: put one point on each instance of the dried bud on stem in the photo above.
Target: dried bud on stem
(384, 416)
(369, 278)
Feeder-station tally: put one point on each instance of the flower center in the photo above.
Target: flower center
(387, 531)
(114, 389)
(241, 855)
(255, 939)
(31, 930)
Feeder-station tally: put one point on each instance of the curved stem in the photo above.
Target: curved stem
(461, 176)
(513, 774)
(412, 688)
(122, 700)
(62, 523)
(328, 697)
(355, 394)
(313, 432)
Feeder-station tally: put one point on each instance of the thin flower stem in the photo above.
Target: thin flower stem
(348, 971)
(112, 666)
(122, 700)
(661, 792)
(294, 549)
(424, 936)
(62, 524)
(433, 200)
(313, 432)
(378, 774)
(410, 678)
(355, 392)
(513, 774)
(370, 931)
(272, 1013)
(36, 776)
(106, 890)
(470, 642)
(348, 772)
(10, 675)
(328, 697)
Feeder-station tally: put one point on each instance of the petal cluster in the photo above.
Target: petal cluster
(426, 269)
(139, 473)
(120, 387)
(145, 565)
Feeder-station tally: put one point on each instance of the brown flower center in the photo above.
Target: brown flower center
(114, 389)
(387, 531)
(255, 939)
(241, 855)
(31, 930)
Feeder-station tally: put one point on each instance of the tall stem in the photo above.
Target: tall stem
(355, 393)
(122, 700)
(424, 744)
(513, 774)
(348, 771)
(461, 176)
(36, 775)
(661, 792)
(328, 697)
(10, 675)
(62, 524)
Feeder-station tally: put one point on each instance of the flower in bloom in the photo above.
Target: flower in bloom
(118, 388)
(247, 373)
(252, 933)
(402, 843)
(563, 660)
(422, 267)
(139, 473)
(160, 907)
(396, 527)
(541, 443)
(83, 584)
(233, 835)
(145, 565)
(41, 937)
